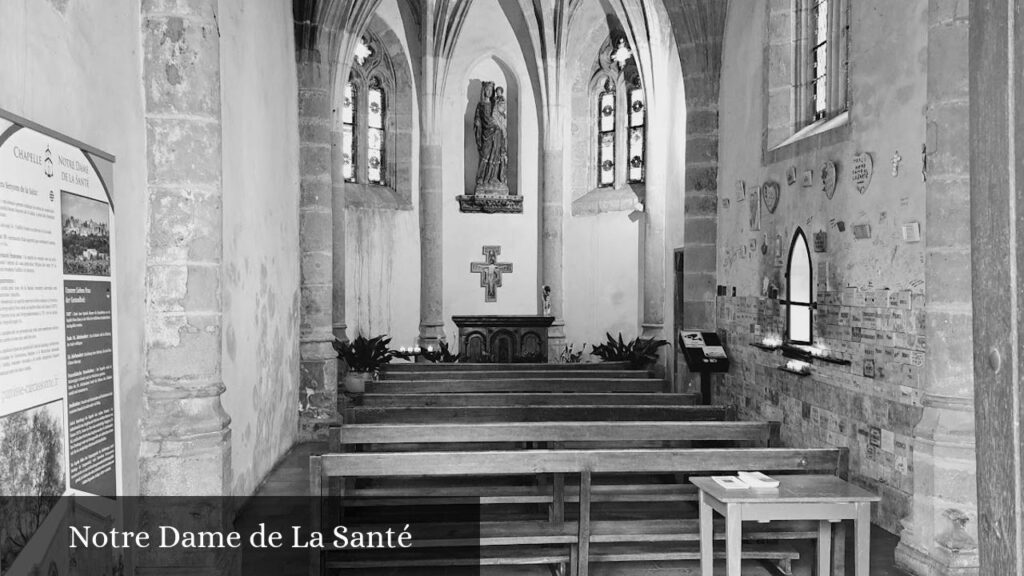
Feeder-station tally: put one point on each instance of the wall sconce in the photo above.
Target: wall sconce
(638, 211)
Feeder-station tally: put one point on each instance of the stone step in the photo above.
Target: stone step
(478, 367)
(497, 374)
(521, 385)
(437, 415)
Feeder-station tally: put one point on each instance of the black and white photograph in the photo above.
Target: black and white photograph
(85, 227)
(33, 477)
(516, 287)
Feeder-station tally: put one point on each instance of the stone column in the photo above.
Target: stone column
(940, 535)
(552, 213)
(338, 214)
(186, 446)
(318, 379)
(652, 241)
(431, 210)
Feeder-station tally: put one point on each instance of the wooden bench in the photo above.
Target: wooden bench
(513, 384)
(576, 540)
(518, 374)
(570, 435)
(413, 400)
(569, 413)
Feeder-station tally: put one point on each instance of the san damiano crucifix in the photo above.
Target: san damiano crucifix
(490, 271)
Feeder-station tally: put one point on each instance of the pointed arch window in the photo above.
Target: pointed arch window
(799, 291)
(620, 124)
(367, 128)
(637, 133)
(348, 132)
(376, 136)
(606, 116)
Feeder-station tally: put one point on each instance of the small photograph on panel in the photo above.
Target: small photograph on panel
(85, 227)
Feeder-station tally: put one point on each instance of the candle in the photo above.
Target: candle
(430, 348)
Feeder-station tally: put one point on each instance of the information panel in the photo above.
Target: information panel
(57, 343)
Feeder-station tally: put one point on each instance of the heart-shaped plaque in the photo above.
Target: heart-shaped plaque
(828, 179)
(770, 192)
(862, 170)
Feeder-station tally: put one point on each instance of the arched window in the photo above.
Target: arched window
(348, 136)
(365, 123)
(637, 132)
(799, 291)
(606, 135)
(375, 133)
(621, 119)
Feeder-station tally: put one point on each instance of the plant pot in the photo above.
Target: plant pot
(355, 382)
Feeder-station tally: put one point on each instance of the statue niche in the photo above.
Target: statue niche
(491, 194)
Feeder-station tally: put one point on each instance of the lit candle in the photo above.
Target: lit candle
(402, 349)
(430, 348)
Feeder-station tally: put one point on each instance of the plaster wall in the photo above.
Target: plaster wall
(484, 53)
(870, 291)
(382, 273)
(74, 67)
(261, 235)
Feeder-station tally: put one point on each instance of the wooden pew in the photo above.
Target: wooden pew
(527, 399)
(504, 374)
(576, 540)
(569, 413)
(344, 437)
(513, 384)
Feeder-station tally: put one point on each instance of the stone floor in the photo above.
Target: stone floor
(291, 478)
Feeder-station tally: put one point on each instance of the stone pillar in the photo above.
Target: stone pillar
(431, 211)
(940, 535)
(652, 242)
(318, 378)
(338, 214)
(186, 435)
(551, 241)
(186, 446)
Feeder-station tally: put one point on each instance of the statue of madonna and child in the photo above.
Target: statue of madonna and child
(490, 126)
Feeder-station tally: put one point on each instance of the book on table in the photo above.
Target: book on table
(745, 480)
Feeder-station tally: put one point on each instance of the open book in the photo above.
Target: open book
(744, 480)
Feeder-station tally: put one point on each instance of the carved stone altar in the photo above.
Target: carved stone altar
(503, 339)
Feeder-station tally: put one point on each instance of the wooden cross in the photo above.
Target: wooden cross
(490, 271)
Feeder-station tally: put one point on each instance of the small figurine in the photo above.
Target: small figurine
(545, 294)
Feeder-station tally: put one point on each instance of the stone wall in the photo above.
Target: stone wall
(871, 290)
(871, 406)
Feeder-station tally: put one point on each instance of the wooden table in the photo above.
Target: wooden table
(808, 497)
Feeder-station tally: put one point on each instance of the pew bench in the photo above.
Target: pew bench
(537, 373)
(577, 540)
(565, 413)
(454, 400)
(524, 384)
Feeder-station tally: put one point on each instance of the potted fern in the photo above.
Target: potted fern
(638, 352)
(365, 357)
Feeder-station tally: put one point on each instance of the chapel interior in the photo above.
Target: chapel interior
(828, 187)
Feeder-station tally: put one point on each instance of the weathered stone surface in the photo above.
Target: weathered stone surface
(183, 347)
(184, 152)
(181, 287)
(184, 226)
(181, 65)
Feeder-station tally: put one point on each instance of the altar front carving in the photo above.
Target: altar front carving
(503, 339)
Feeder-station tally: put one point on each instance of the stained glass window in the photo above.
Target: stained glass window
(348, 141)
(637, 135)
(375, 136)
(820, 56)
(606, 136)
